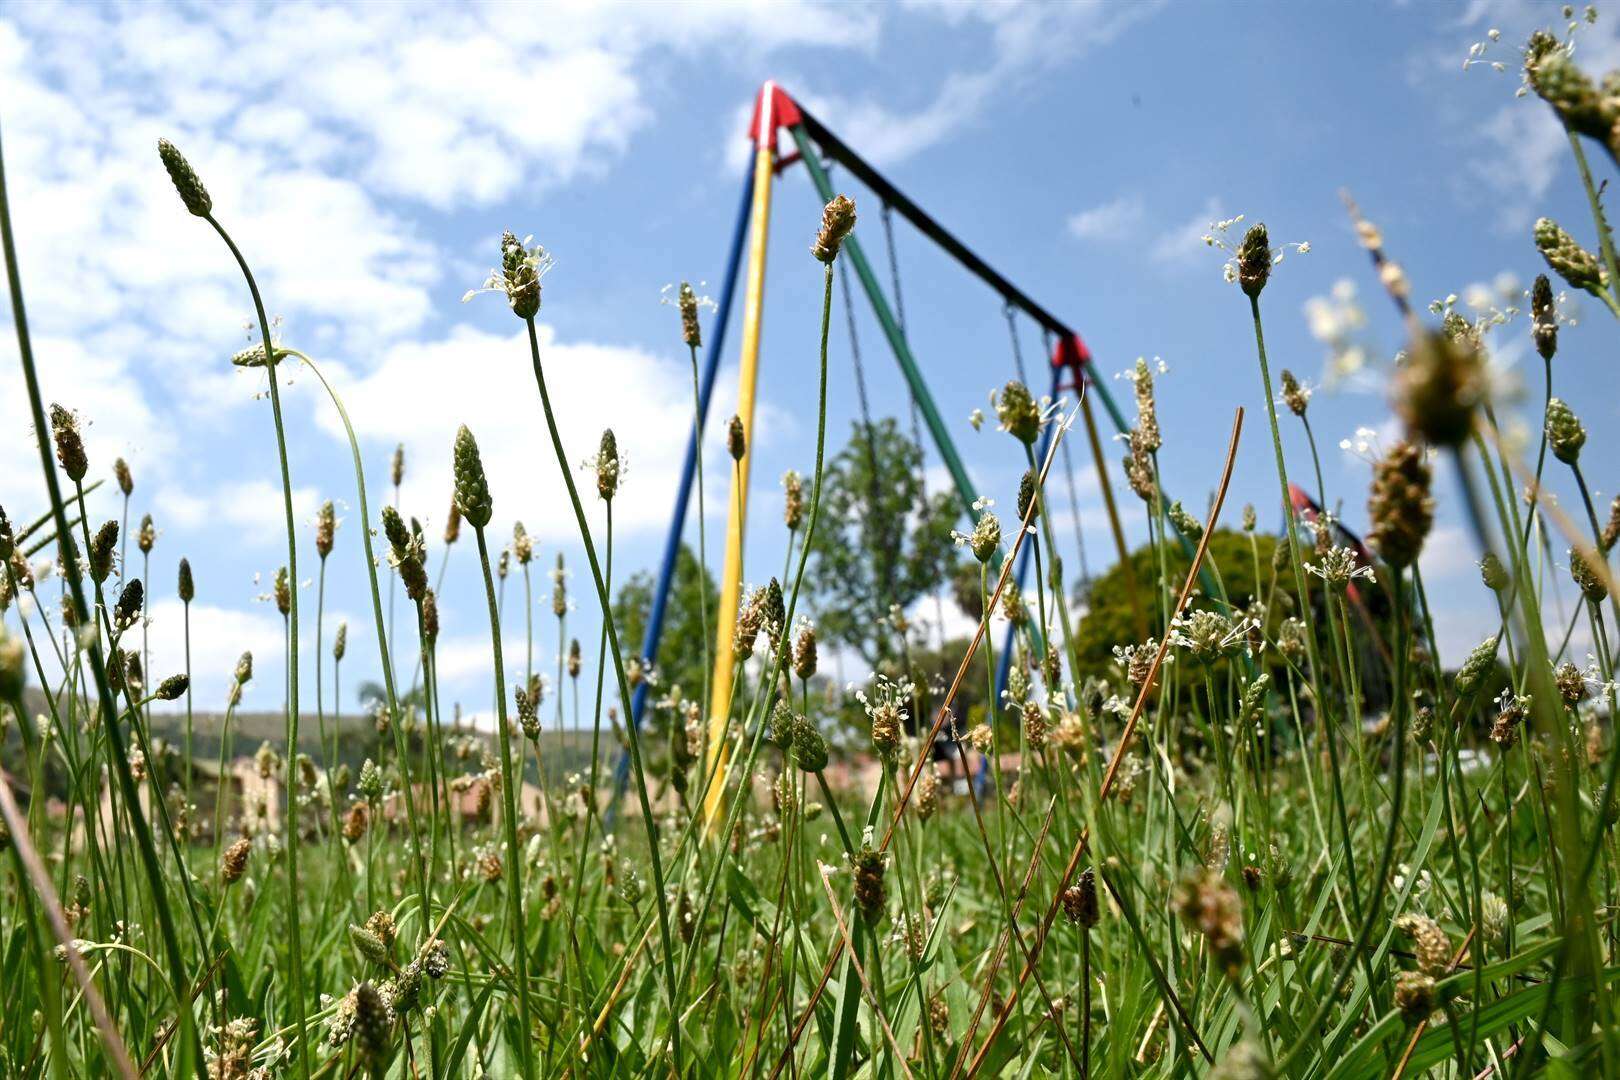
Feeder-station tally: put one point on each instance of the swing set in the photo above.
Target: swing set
(812, 144)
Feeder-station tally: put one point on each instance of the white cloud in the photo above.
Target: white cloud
(1528, 148)
(467, 655)
(319, 138)
(257, 510)
(182, 508)
(886, 135)
(93, 383)
(1112, 220)
(103, 238)
(437, 104)
(1024, 39)
(440, 105)
(252, 510)
(645, 399)
(1183, 244)
(134, 304)
(464, 660)
(1451, 554)
(219, 636)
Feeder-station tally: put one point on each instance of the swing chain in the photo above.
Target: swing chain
(1048, 342)
(894, 268)
(916, 413)
(1011, 316)
(874, 493)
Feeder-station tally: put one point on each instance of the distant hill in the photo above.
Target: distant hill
(357, 739)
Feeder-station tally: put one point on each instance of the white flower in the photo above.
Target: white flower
(1208, 635)
(1364, 445)
(885, 692)
(1217, 237)
(1339, 566)
(526, 253)
(670, 296)
(1335, 320)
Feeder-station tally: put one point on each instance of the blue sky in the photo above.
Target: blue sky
(368, 157)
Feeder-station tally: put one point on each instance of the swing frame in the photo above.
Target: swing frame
(775, 112)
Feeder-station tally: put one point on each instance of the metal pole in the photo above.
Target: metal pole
(1206, 580)
(1125, 563)
(897, 342)
(891, 330)
(737, 515)
(683, 493)
(1004, 663)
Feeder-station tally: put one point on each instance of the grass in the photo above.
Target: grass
(1275, 838)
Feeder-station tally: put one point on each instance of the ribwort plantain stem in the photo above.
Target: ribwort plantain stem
(633, 739)
(190, 1045)
(295, 948)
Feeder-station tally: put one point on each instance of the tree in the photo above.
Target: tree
(879, 541)
(1111, 620)
(680, 649)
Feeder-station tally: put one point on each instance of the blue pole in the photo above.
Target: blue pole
(683, 494)
(1004, 662)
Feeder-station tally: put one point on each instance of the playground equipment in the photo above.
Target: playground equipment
(775, 113)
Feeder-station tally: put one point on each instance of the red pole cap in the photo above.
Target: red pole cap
(1070, 352)
(773, 110)
(1304, 505)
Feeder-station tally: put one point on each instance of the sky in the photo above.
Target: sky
(367, 158)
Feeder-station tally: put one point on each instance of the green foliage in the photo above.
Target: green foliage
(1112, 621)
(879, 541)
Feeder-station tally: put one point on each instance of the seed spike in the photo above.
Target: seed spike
(186, 182)
(472, 491)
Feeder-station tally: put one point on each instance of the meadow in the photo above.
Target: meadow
(1249, 827)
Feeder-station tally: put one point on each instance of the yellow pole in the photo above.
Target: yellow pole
(737, 515)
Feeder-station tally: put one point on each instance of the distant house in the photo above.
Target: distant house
(464, 803)
(244, 790)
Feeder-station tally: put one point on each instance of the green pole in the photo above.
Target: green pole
(891, 330)
(1187, 546)
(1114, 414)
(908, 363)
(1206, 580)
(902, 353)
